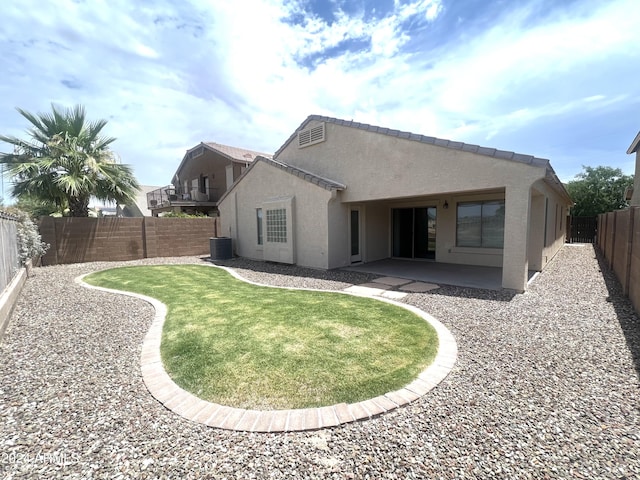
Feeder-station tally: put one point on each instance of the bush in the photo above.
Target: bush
(183, 215)
(30, 244)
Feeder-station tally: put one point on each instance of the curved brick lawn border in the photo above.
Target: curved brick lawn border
(195, 409)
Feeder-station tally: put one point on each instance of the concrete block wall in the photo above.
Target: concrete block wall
(619, 241)
(77, 240)
(178, 237)
(622, 247)
(634, 261)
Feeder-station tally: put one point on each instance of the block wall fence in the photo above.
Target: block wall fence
(78, 240)
(619, 240)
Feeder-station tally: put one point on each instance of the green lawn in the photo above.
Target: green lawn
(245, 346)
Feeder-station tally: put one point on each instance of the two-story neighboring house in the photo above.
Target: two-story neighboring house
(206, 172)
(633, 193)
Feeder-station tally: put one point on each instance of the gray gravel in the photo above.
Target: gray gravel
(546, 386)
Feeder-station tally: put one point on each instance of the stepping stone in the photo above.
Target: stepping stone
(394, 295)
(419, 287)
(392, 281)
(374, 284)
(362, 290)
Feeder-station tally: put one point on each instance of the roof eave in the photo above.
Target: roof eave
(184, 160)
(325, 183)
(295, 133)
(634, 145)
(552, 179)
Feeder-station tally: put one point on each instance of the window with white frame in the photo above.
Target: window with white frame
(480, 224)
(277, 225)
(259, 225)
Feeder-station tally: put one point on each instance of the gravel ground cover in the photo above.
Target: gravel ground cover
(546, 386)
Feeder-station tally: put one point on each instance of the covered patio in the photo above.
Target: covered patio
(489, 278)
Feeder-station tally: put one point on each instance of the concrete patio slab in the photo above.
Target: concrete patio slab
(489, 278)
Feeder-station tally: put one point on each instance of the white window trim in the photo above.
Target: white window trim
(283, 252)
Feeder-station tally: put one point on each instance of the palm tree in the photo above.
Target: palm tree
(66, 161)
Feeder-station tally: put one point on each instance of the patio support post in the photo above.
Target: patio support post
(516, 224)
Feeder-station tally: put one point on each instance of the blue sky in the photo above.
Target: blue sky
(558, 79)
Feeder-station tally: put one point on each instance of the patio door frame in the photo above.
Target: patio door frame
(355, 234)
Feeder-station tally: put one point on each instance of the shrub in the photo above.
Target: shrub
(183, 215)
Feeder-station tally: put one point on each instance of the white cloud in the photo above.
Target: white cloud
(168, 75)
(144, 50)
(428, 8)
(511, 57)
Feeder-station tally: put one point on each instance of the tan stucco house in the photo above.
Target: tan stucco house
(205, 173)
(340, 192)
(634, 197)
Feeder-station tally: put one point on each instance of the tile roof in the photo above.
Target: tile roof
(491, 152)
(322, 182)
(325, 183)
(234, 153)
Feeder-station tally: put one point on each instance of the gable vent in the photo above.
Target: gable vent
(311, 136)
(197, 153)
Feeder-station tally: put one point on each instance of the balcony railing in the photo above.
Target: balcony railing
(172, 195)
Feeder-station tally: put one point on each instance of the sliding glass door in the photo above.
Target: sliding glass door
(414, 232)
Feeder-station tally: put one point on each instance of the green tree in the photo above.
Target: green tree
(65, 161)
(598, 190)
(36, 207)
